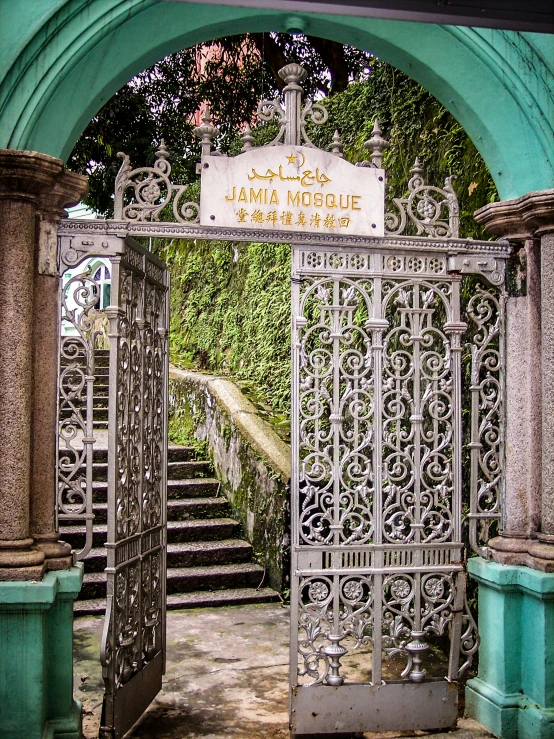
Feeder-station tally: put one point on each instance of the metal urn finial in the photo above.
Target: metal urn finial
(206, 132)
(377, 144)
(292, 117)
(292, 74)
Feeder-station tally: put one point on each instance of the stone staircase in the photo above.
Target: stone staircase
(208, 563)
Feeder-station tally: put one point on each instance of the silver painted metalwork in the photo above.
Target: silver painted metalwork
(292, 118)
(485, 313)
(377, 144)
(133, 640)
(427, 209)
(206, 133)
(151, 192)
(76, 375)
(73, 232)
(377, 550)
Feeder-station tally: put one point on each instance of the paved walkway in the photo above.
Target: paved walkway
(227, 676)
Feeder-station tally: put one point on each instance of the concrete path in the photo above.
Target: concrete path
(227, 676)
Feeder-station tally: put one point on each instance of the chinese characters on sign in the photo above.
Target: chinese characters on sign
(292, 188)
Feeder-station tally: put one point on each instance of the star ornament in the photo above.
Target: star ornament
(292, 159)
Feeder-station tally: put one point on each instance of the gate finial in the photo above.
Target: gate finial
(377, 144)
(206, 133)
(292, 117)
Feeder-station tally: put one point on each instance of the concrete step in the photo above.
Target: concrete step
(197, 599)
(180, 510)
(214, 577)
(231, 597)
(201, 487)
(187, 554)
(207, 487)
(202, 530)
(205, 529)
(189, 469)
(196, 508)
(174, 453)
(189, 579)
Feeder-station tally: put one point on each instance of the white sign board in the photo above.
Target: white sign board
(292, 188)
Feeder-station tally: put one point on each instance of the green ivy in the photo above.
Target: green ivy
(230, 314)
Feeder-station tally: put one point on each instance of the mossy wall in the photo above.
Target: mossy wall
(251, 462)
(230, 314)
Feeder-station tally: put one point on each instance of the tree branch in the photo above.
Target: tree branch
(332, 54)
(271, 53)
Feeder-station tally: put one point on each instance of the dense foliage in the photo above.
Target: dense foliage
(162, 101)
(230, 314)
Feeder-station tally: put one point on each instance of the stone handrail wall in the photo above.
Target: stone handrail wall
(252, 463)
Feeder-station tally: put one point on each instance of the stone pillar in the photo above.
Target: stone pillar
(67, 191)
(26, 178)
(546, 533)
(513, 694)
(528, 538)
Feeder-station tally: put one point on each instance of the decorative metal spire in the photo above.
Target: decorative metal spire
(206, 133)
(247, 138)
(377, 144)
(336, 145)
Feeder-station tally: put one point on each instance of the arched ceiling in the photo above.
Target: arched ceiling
(66, 59)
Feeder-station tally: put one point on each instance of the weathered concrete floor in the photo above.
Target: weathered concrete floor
(227, 676)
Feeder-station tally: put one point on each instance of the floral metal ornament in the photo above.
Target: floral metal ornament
(428, 210)
(151, 192)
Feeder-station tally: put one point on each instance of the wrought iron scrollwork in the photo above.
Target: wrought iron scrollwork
(292, 118)
(75, 403)
(134, 635)
(378, 340)
(485, 311)
(428, 210)
(151, 191)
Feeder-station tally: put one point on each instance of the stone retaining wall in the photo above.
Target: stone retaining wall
(251, 461)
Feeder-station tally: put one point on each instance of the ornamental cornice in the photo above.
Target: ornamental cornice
(70, 227)
(530, 215)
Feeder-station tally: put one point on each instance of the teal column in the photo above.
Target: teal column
(36, 665)
(513, 694)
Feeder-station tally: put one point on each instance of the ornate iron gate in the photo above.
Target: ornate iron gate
(377, 550)
(397, 418)
(133, 639)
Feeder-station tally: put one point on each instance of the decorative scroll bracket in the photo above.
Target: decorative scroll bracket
(431, 210)
(489, 268)
(152, 191)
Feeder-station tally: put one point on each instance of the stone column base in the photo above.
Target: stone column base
(36, 669)
(513, 695)
(537, 554)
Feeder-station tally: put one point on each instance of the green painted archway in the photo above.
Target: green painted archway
(65, 58)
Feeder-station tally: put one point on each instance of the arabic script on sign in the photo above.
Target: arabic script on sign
(292, 189)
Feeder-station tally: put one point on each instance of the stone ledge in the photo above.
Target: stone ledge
(513, 578)
(245, 417)
(521, 218)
